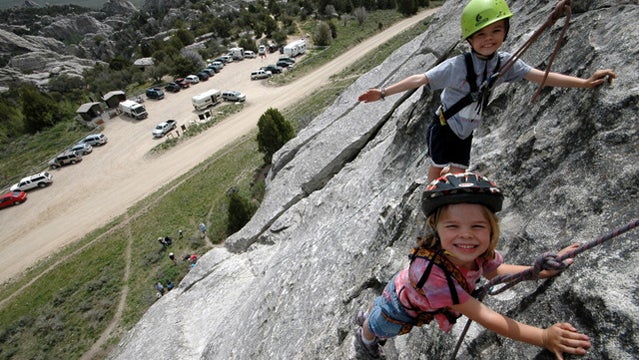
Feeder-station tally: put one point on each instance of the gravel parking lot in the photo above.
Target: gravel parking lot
(88, 195)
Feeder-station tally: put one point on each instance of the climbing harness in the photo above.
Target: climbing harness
(478, 94)
(452, 274)
(547, 261)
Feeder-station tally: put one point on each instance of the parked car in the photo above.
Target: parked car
(182, 82)
(274, 69)
(226, 59)
(210, 72)
(172, 87)
(12, 198)
(203, 76)
(82, 148)
(66, 158)
(233, 95)
(164, 127)
(260, 74)
(155, 93)
(287, 59)
(193, 79)
(284, 64)
(249, 54)
(216, 65)
(40, 180)
(95, 139)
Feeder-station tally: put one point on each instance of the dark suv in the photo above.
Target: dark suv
(69, 157)
(155, 93)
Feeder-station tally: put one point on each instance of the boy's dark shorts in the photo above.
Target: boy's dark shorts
(445, 148)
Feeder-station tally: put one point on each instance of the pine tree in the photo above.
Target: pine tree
(273, 132)
(239, 213)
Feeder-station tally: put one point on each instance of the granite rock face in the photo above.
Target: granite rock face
(341, 210)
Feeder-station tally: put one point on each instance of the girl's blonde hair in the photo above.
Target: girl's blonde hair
(430, 240)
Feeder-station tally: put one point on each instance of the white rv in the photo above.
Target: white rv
(297, 47)
(237, 53)
(206, 99)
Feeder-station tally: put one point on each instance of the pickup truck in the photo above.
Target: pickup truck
(164, 127)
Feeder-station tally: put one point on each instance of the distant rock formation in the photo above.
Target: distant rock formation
(34, 58)
(341, 211)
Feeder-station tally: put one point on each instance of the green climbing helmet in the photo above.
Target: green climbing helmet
(480, 13)
(468, 187)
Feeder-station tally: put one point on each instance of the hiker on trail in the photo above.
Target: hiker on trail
(202, 228)
(457, 249)
(485, 24)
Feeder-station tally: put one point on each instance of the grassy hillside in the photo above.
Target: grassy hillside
(93, 4)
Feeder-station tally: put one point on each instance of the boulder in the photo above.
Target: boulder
(341, 211)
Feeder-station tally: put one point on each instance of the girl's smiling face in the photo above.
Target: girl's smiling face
(489, 39)
(464, 232)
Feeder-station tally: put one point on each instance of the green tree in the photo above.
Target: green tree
(360, 14)
(273, 132)
(119, 63)
(323, 34)
(65, 84)
(240, 212)
(11, 122)
(333, 28)
(39, 109)
(407, 7)
(185, 36)
(270, 26)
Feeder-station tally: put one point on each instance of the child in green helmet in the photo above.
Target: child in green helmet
(457, 250)
(485, 24)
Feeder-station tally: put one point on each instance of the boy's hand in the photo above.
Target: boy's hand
(370, 95)
(599, 77)
(564, 338)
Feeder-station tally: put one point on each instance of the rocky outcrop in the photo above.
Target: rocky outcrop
(119, 7)
(72, 26)
(341, 211)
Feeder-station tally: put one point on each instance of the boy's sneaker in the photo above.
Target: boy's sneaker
(370, 351)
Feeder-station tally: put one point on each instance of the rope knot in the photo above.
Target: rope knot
(548, 261)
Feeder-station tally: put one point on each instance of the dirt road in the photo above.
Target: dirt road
(88, 195)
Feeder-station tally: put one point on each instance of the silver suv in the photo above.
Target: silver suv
(233, 96)
(40, 180)
(68, 157)
(95, 139)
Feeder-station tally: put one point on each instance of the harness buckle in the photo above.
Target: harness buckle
(441, 117)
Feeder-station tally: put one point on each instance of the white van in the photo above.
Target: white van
(206, 99)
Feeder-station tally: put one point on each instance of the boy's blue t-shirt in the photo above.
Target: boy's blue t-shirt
(450, 75)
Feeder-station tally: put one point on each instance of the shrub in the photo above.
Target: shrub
(240, 212)
(273, 132)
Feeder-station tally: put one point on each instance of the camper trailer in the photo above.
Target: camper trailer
(297, 47)
(237, 53)
(206, 99)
